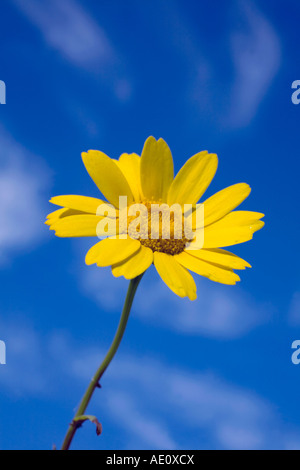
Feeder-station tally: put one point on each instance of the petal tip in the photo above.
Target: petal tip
(88, 262)
(193, 297)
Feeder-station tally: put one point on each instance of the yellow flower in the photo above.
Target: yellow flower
(149, 180)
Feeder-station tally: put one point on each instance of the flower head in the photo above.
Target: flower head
(147, 211)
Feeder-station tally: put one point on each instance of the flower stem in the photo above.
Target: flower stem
(108, 358)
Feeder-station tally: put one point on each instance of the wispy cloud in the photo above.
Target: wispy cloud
(158, 405)
(255, 49)
(23, 374)
(24, 179)
(69, 29)
(145, 428)
(251, 48)
(155, 404)
(102, 287)
(294, 310)
(219, 311)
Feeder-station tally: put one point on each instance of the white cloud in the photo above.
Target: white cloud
(155, 404)
(23, 372)
(146, 429)
(219, 311)
(195, 395)
(24, 179)
(69, 29)
(256, 54)
(175, 402)
(100, 284)
(294, 310)
(252, 49)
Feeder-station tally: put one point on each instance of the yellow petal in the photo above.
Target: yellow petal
(238, 218)
(157, 169)
(223, 202)
(193, 179)
(177, 278)
(211, 271)
(111, 251)
(76, 226)
(56, 214)
(236, 227)
(130, 167)
(135, 265)
(222, 257)
(61, 213)
(80, 203)
(107, 176)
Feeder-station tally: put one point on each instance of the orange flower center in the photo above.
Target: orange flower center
(157, 227)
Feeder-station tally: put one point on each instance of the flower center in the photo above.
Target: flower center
(157, 227)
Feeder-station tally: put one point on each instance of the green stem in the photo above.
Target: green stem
(108, 358)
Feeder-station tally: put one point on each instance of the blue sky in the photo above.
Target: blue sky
(212, 374)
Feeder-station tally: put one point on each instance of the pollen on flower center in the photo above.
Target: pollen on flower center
(157, 228)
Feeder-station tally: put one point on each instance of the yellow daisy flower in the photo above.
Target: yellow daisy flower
(149, 180)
